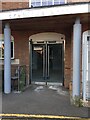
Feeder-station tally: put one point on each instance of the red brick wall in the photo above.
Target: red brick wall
(15, 4)
(21, 49)
(0, 5)
(21, 46)
(68, 58)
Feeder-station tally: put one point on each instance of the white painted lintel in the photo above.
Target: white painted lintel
(45, 11)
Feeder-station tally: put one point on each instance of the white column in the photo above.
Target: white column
(7, 59)
(29, 3)
(76, 57)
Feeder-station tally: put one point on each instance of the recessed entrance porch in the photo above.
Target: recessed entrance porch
(31, 26)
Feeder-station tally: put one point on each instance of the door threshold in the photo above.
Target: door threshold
(39, 83)
(54, 83)
(47, 83)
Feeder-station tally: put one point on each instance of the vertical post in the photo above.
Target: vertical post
(30, 50)
(76, 57)
(7, 59)
(46, 62)
(84, 66)
(29, 3)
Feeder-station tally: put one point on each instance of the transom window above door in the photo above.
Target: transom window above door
(37, 3)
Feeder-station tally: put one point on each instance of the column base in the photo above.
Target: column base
(76, 101)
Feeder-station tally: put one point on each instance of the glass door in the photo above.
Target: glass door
(55, 62)
(47, 62)
(38, 62)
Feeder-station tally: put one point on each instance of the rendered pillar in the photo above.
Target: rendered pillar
(76, 57)
(7, 59)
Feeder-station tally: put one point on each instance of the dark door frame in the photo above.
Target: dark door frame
(46, 43)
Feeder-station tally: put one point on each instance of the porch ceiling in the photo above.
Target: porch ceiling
(46, 23)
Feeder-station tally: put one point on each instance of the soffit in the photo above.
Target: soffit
(46, 23)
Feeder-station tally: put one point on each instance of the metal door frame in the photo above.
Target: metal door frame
(46, 43)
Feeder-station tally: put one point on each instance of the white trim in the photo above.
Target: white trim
(50, 11)
(29, 3)
(47, 36)
(85, 64)
(13, 62)
(65, 1)
(2, 37)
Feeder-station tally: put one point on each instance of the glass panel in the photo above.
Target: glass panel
(47, 63)
(62, 1)
(2, 49)
(55, 63)
(37, 63)
(49, 2)
(0, 52)
(46, 2)
(35, 3)
(88, 38)
(56, 2)
(12, 50)
(0, 44)
(38, 4)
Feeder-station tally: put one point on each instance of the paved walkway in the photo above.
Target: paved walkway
(39, 99)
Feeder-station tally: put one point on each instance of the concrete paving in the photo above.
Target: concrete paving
(41, 99)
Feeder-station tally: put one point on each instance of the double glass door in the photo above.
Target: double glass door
(46, 62)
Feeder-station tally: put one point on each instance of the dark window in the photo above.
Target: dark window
(2, 49)
(88, 38)
(12, 49)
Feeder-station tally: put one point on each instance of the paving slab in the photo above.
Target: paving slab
(42, 100)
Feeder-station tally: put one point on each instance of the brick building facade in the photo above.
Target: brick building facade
(59, 20)
(11, 4)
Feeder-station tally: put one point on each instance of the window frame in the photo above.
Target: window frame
(41, 3)
(2, 41)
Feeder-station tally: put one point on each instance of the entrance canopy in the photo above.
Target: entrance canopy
(45, 19)
(45, 11)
